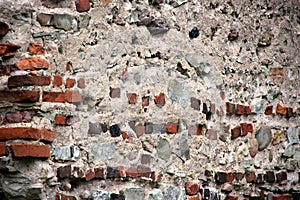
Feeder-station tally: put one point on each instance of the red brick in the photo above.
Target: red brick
(8, 49)
(144, 171)
(160, 100)
(194, 198)
(7, 69)
(289, 112)
(81, 83)
(124, 135)
(17, 81)
(250, 128)
(244, 129)
(77, 172)
(172, 128)
(191, 188)
(73, 96)
(70, 82)
(278, 71)
(60, 119)
(64, 171)
(269, 110)
(57, 81)
(145, 101)
(11, 133)
(32, 64)
(195, 129)
(132, 172)
(282, 197)
(236, 132)
(3, 29)
(250, 177)
(19, 96)
(99, 172)
(30, 150)
(58, 97)
(132, 98)
(82, 5)
(247, 110)
(281, 110)
(240, 109)
(60, 196)
(230, 176)
(115, 92)
(36, 49)
(89, 175)
(230, 108)
(231, 197)
(2, 149)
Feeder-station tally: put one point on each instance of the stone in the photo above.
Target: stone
(62, 153)
(101, 151)
(134, 193)
(155, 194)
(194, 33)
(265, 39)
(163, 149)
(192, 60)
(115, 130)
(289, 151)
(171, 192)
(159, 128)
(3, 29)
(263, 137)
(220, 177)
(114, 196)
(100, 195)
(281, 176)
(45, 19)
(160, 100)
(270, 176)
(64, 171)
(139, 129)
(178, 92)
(115, 92)
(148, 127)
(293, 135)
(253, 147)
(233, 35)
(83, 21)
(146, 159)
(63, 21)
(279, 136)
(183, 149)
(211, 134)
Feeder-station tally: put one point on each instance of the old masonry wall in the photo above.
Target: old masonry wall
(149, 99)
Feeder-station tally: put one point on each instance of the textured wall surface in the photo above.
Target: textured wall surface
(149, 99)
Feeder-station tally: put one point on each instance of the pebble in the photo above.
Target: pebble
(263, 137)
(194, 33)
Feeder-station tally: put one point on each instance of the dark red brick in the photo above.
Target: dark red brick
(64, 171)
(2, 149)
(57, 81)
(260, 179)
(244, 129)
(240, 109)
(281, 110)
(14, 117)
(3, 29)
(30, 150)
(99, 172)
(250, 177)
(281, 176)
(239, 176)
(77, 172)
(282, 197)
(289, 112)
(19, 96)
(195, 103)
(144, 171)
(231, 197)
(172, 128)
(145, 101)
(115, 92)
(230, 176)
(230, 108)
(82, 5)
(60, 196)
(60, 119)
(194, 198)
(220, 177)
(250, 128)
(70, 82)
(17, 81)
(192, 188)
(57, 97)
(36, 49)
(32, 64)
(247, 110)
(269, 110)
(113, 172)
(81, 83)
(89, 175)
(132, 98)
(7, 69)
(8, 49)
(235, 132)
(132, 172)
(270, 176)
(73, 96)
(160, 100)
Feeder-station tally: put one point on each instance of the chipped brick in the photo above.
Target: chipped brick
(73, 96)
(281, 110)
(2, 149)
(82, 5)
(64, 171)
(132, 172)
(3, 29)
(145, 101)
(36, 49)
(270, 177)
(192, 188)
(89, 175)
(132, 98)
(160, 100)
(8, 49)
(70, 82)
(281, 176)
(99, 172)
(19, 96)
(220, 177)
(211, 134)
(57, 81)
(282, 197)
(230, 108)
(32, 64)
(172, 128)
(240, 109)
(269, 110)
(250, 177)
(57, 97)
(278, 71)
(230, 176)
(60, 119)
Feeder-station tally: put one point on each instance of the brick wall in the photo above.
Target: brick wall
(149, 100)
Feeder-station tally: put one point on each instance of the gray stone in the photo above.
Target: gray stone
(203, 69)
(114, 52)
(15, 187)
(289, 151)
(296, 155)
(204, 149)
(155, 194)
(164, 149)
(263, 137)
(75, 151)
(258, 106)
(100, 195)
(62, 153)
(63, 21)
(192, 60)
(159, 128)
(171, 192)
(94, 128)
(183, 150)
(178, 92)
(83, 21)
(246, 164)
(45, 19)
(101, 151)
(134, 193)
(293, 135)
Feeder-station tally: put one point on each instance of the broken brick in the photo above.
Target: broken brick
(145, 101)
(281, 110)
(192, 188)
(32, 64)
(172, 128)
(132, 98)
(269, 110)
(36, 49)
(70, 82)
(235, 132)
(160, 100)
